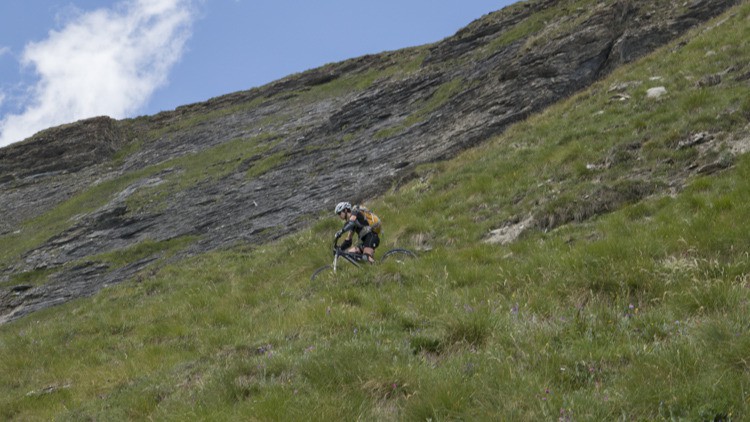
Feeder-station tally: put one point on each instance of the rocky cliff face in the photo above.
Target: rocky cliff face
(95, 202)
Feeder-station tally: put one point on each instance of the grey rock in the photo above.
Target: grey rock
(695, 139)
(656, 92)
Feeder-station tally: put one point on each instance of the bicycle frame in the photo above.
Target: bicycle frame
(353, 258)
(357, 259)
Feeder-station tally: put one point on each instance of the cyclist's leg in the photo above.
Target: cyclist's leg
(350, 248)
(369, 243)
(355, 249)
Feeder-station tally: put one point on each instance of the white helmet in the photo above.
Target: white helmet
(341, 206)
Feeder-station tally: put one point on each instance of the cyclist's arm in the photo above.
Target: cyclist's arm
(349, 228)
(353, 225)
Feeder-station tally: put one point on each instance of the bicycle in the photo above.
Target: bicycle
(357, 259)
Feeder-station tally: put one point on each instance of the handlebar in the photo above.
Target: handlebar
(336, 238)
(336, 248)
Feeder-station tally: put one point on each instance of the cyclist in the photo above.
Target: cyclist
(365, 223)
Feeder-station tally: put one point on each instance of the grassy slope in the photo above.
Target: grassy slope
(641, 313)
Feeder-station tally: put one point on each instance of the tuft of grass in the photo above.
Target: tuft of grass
(145, 249)
(33, 277)
(265, 164)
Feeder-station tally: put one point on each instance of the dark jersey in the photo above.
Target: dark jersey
(357, 225)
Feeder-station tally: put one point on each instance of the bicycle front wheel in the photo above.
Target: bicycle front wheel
(326, 269)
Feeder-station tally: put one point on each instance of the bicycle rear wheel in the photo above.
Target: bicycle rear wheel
(399, 255)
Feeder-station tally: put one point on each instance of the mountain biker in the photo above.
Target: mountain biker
(357, 220)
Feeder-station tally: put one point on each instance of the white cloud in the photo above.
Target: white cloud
(4, 51)
(105, 62)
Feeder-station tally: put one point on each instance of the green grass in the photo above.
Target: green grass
(265, 164)
(31, 278)
(144, 249)
(637, 310)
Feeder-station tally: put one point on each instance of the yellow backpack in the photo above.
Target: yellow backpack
(371, 218)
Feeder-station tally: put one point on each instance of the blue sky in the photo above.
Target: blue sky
(62, 61)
